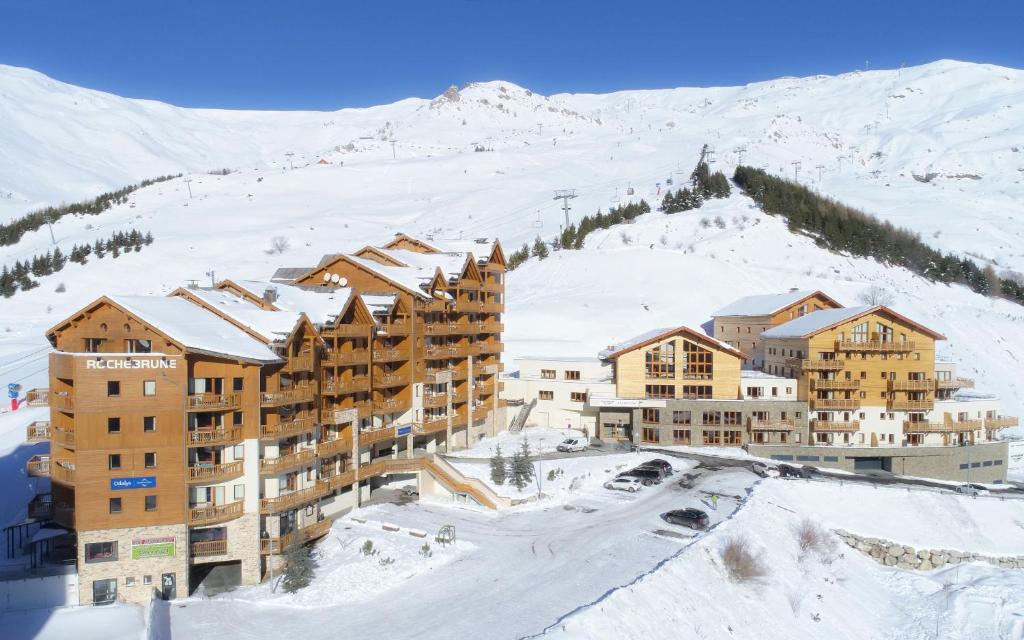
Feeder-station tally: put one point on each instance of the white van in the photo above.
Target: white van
(570, 445)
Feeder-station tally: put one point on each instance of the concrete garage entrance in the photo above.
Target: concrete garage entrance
(872, 464)
(215, 577)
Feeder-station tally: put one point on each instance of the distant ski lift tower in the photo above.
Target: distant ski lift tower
(819, 167)
(290, 154)
(565, 195)
(739, 152)
(188, 183)
(796, 170)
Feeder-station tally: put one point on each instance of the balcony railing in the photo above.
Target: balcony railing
(294, 499)
(214, 401)
(299, 425)
(955, 383)
(330, 448)
(900, 404)
(830, 425)
(876, 346)
(490, 327)
(492, 307)
(208, 548)
(341, 415)
(38, 431)
(214, 514)
(303, 362)
(490, 347)
(62, 401)
(495, 287)
(280, 545)
(816, 365)
(435, 400)
(772, 424)
(1001, 422)
(837, 384)
(40, 507)
(38, 397)
(480, 413)
(395, 329)
(912, 385)
(341, 480)
(344, 358)
(348, 331)
(214, 437)
(372, 436)
(390, 355)
(833, 404)
(203, 473)
(340, 386)
(38, 466)
(64, 437)
(940, 427)
(271, 466)
(390, 380)
(295, 395)
(432, 425)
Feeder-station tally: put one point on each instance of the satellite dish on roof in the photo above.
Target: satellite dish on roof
(335, 278)
(343, 281)
(327, 277)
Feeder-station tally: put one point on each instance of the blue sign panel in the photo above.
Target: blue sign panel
(12, 394)
(14, 387)
(141, 482)
(404, 431)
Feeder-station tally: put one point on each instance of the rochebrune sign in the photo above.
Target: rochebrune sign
(131, 363)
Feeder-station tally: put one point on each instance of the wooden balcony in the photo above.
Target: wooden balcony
(208, 548)
(63, 472)
(62, 401)
(385, 380)
(373, 436)
(64, 437)
(834, 404)
(437, 304)
(38, 431)
(214, 514)
(833, 426)
(816, 365)
(1001, 422)
(341, 415)
(214, 401)
(912, 385)
(492, 287)
(955, 383)
(442, 352)
(295, 395)
(490, 327)
(435, 400)
(348, 331)
(431, 426)
(346, 358)
(875, 346)
(341, 480)
(39, 397)
(900, 404)
(40, 507)
(395, 329)
(838, 384)
(299, 425)
(306, 534)
(390, 355)
(294, 499)
(341, 386)
(444, 328)
(331, 448)
(38, 466)
(480, 413)
(469, 306)
(492, 307)
(303, 362)
(214, 437)
(772, 424)
(287, 462)
(941, 427)
(213, 473)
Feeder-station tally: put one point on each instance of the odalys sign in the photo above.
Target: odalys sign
(137, 482)
(158, 547)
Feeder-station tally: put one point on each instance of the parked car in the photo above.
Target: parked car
(971, 489)
(570, 445)
(647, 475)
(659, 463)
(760, 469)
(624, 483)
(693, 518)
(790, 471)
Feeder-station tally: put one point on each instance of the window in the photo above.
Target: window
(732, 417)
(547, 374)
(697, 362)
(712, 418)
(695, 392)
(93, 345)
(236, 418)
(129, 581)
(149, 387)
(860, 332)
(100, 551)
(660, 361)
(114, 461)
(150, 503)
(753, 392)
(775, 392)
(147, 580)
(113, 425)
(572, 375)
(149, 423)
(651, 415)
(138, 346)
(681, 417)
(239, 452)
(237, 384)
(104, 591)
(239, 491)
(789, 390)
(150, 457)
(578, 396)
(647, 434)
(681, 436)
(115, 505)
(545, 395)
(660, 391)
(113, 388)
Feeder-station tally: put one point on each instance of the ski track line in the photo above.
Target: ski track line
(661, 563)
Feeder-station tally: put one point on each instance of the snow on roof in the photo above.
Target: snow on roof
(194, 327)
(761, 305)
(480, 250)
(814, 321)
(558, 359)
(321, 304)
(409, 278)
(379, 302)
(653, 334)
(450, 263)
(289, 274)
(971, 394)
(754, 374)
(272, 325)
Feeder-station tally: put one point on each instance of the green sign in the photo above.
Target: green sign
(153, 548)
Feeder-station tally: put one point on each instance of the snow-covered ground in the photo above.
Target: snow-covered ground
(114, 622)
(542, 440)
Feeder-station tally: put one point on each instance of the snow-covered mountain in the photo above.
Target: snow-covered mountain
(939, 148)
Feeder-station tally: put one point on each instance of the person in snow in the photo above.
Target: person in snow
(714, 501)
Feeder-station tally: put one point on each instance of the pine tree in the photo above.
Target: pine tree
(57, 261)
(7, 284)
(522, 463)
(498, 469)
(540, 249)
(515, 471)
(299, 567)
(100, 249)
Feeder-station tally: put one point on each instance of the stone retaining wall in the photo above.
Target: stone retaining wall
(893, 554)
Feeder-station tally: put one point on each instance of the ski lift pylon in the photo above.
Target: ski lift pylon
(668, 181)
(538, 223)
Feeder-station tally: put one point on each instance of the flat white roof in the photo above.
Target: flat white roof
(560, 359)
(805, 325)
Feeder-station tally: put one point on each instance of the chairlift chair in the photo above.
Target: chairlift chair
(629, 190)
(668, 181)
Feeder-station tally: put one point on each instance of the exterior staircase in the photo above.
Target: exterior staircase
(524, 413)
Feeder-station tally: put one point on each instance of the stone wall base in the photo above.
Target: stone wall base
(893, 554)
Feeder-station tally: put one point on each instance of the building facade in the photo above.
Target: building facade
(559, 389)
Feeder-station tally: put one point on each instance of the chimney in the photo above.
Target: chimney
(270, 295)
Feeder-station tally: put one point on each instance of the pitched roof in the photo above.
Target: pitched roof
(817, 321)
(766, 304)
(289, 274)
(321, 304)
(194, 327)
(655, 335)
(272, 326)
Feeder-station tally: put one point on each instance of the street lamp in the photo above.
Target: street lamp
(540, 467)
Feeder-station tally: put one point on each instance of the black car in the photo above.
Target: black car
(789, 471)
(659, 463)
(647, 476)
(693, 518)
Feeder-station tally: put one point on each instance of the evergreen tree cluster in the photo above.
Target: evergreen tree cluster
(299, 568)
(517, 470)
(706, 185)
(838, 227)
(12, 232)
(19, 277)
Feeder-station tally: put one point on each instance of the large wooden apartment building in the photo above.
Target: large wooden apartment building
(214, 427)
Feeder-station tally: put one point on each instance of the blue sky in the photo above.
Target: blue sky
(301, 54)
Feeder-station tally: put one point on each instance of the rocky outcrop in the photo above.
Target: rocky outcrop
(901, 556)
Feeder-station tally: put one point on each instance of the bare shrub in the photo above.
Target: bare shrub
(741, 562)
(812, 537)
(719, 222)
(626, 239)
(705, 223)
(876, 295)
(278, 244)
